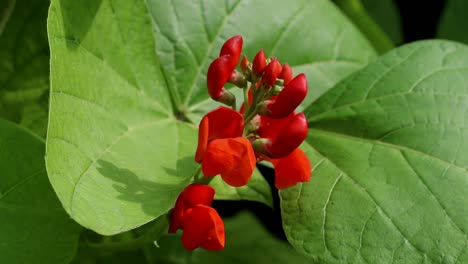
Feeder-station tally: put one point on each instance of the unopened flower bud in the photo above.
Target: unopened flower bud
(272, 70)
(286, 73)
(259, 63)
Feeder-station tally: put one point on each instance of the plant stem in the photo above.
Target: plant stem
(159, 226)
(5, 12)
(356, 12)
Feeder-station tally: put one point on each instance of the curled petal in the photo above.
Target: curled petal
(220, 123)
(233, 48)
(218, 74)
(292, 169)
(191, 196)
(203, 228)
(289, 98)
(259, 63)
(279, 137)
(233, 158)
(272, 70)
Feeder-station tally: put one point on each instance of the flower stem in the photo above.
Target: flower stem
(356, 12)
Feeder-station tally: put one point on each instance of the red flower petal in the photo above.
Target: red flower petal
(289, 98)
(233, 48)
(272, 70)
(284, 134)
(204, 228)
(191, 196)
(292, 169)
(218, 74)
(233, 158)
(220, 123)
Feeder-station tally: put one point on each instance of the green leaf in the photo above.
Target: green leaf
(256, 190)
(388, 147)
(247, 241)
(35, 228)
(312, 36)
(24, 64)
(123, 72)
(387, 16)
(453, 21)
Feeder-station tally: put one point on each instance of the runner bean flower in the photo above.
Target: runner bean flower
(231, 141)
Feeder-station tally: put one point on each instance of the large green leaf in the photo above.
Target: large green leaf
(247, 241)
(24, 64)
(389, 147)
(35, 228)
(454, 21)
(123, 72)
(312, 36)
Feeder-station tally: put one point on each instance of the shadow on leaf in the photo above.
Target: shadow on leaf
(153, 196)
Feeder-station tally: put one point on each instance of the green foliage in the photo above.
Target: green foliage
(387, 138)
(389, 148)
(24, 64)
(247, 242)
(34, 228)
(114, 111)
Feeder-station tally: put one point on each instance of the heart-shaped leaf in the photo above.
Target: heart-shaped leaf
(124, 72)
(24, 63)
(389, 149)
(35, 228)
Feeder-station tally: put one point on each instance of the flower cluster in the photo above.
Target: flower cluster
(231, 141)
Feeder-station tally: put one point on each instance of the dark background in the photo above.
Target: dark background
(419, 20)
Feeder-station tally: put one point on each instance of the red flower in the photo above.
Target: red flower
(222, 150)
(203, 228)
(233, 48)
(192, 195)
(288, 99)
(218, 74)
(220, 123)
(291, 169)
(279, 137)
(233, 158)
(221, 69)
(201, 224)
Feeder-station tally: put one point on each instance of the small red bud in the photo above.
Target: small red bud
(233, 48)
(259, 63)
(286, 74)
(272, 70)
(288, 99)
